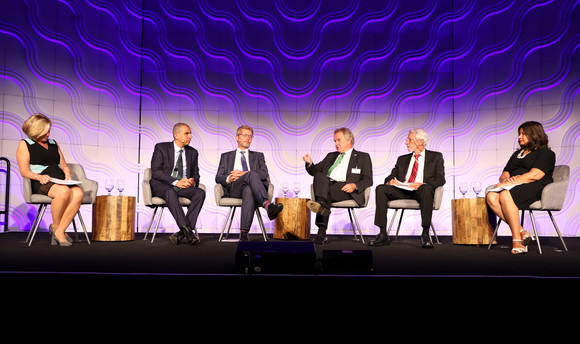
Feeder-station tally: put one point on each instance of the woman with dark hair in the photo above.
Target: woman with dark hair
(525, 175)
(40, 159)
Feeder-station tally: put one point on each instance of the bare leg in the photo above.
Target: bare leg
(65, 204)
(511, 214)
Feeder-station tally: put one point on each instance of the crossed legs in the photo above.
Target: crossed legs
(65, 204)
(505, 208)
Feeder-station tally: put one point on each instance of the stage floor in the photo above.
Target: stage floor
(404, 258)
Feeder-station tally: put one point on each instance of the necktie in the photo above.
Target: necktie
(335, 164)
(415, 168)
(178, 169)
(244, 162)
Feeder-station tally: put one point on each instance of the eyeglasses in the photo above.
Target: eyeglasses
(246, 135)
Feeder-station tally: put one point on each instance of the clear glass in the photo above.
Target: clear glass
(296, 189)
(109, 185)
(120, 186)
(463, 188)
(477, 188)
(285, 188)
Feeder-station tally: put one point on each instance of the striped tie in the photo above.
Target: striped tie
(415, 168)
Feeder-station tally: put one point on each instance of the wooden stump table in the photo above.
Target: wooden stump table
(114, 218)
(294, 220)
(473, 221)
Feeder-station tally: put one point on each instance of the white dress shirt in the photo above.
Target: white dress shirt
(419, 177)
(340, 171)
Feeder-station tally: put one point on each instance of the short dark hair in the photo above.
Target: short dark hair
(536, 135)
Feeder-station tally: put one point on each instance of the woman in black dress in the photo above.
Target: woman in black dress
(527, 172)
(40, 159)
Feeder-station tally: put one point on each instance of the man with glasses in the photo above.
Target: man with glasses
(244, 174)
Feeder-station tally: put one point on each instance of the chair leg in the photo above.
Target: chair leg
(494, 234)
(150, 223)
(84, 227)
(352, 215)
(392, 221)
(535, 231)
(261, 222)
(435, 233)
(157, 224)
(229, 218)
(33, 226)
(557, 230)
(38, 219)
(74, 223)
(399, 226)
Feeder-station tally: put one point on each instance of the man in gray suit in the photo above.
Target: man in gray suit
(244, 174)
(415, 176)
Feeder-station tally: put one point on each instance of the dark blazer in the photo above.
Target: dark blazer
(163, 162)
(359, 160)
(433, 172)
(226, 165)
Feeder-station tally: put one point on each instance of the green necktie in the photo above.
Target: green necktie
(178, 169)
(335, 164)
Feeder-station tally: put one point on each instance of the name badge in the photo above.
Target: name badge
(356, 170)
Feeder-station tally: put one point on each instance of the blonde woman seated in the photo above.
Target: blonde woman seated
(527, 172)
(40, 159)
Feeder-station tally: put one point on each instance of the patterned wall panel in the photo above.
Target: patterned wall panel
(116, 75)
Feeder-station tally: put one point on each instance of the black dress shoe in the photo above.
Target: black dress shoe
(426, 241)
(380, 240)
(244, 236)
(320, 239)
(176, 238)
(274, 210)
(187, 235)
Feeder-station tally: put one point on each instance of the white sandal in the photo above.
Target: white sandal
(527, 238)
(519, 250)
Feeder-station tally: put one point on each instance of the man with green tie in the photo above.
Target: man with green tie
(340, 176)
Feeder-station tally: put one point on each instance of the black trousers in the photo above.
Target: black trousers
(327, 191)
(250, 188)
(385, 193)
(171, 197)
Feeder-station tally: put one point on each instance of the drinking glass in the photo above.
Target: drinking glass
(477, 188)
(285, 188)
(296, 189)
(109, 185)
(120, 186)
(463, 188)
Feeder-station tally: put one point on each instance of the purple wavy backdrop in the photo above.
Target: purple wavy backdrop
(116, 75)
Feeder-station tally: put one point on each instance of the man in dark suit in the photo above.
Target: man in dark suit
(340, 176)
(415, 176)
(175, 173)
(244, 174)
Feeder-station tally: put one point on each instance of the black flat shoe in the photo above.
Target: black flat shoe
(380, 240)
(244, 236)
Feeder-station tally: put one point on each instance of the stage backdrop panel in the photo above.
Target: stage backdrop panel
(115, 76)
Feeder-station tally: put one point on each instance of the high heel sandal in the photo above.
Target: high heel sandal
(527, 238)
(519, 250)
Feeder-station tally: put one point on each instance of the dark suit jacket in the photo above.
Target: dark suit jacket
(433, 172)
(226, 165)
(163, 162)
(360, 160)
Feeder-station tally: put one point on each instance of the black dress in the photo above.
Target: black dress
(543, 159)
(44, 161)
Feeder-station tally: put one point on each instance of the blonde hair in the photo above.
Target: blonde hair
(36, 126)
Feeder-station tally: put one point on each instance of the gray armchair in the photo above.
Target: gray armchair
(350, 205)
(552, 199)
(404, 204)
(157, 203)
(89, 187)
(232, 204)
